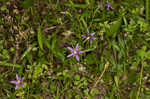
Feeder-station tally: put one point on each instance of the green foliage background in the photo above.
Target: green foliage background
(35, 34)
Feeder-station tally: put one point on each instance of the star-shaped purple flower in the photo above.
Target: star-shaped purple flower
(89, 36)
(108, 6)
(18, 81)
(75, 52)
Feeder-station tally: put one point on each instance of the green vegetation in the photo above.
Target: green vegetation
(45, 43)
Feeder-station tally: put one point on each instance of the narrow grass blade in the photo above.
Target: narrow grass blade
(115, 28)
(27, 51)
(40, 38)
(71, 4)
(9, 64)
(147, 11)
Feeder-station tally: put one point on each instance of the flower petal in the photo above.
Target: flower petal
(71, 49)
(87, 32)
(84, 35)
(17, 76)
(22, 79)
(77, 47)
(106, 5)
(70, 55)
(21, 85)
(112, 8)
(80, 52)
(90, 40)
(77, 57)
(107, 8)
(92, 34)
(17, 86)
(14, 82)
(94, 38)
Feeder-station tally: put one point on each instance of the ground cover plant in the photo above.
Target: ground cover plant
(74, 49)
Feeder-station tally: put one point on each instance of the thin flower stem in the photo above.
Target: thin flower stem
(140, 82)
(106, 66)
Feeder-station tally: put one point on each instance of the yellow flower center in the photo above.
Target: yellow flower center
(75, 52)
(18, 81)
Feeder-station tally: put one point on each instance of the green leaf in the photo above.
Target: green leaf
(84, 23)
(148, 54)
(86, 92)
(147, 11)
(142, 52)
(115, 46)
(147, 92)
(3, 8)
(37, 71)
(71, 4)
(116, 81)
(76, 83)
(40, 38)
(94, 91)
(77, 77)
(27, 3)
(46, 43)
(3, 63)
(27, 51)
(115, 28)
(52, 87)
(91, 59)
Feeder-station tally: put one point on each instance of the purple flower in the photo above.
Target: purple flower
(75, 52)
(18, 81)
(108, 6)
(89, 36)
